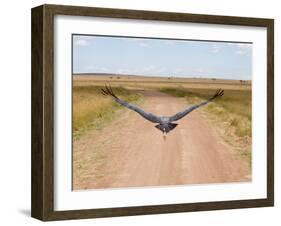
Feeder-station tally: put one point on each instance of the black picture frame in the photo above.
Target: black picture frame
(42, 203)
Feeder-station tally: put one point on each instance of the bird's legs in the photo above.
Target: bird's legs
(164, 135)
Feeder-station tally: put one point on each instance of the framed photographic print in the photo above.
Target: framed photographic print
(141, 112)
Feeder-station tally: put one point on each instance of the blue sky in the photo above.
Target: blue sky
(161, 57)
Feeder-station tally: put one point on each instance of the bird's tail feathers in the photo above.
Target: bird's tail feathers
(170, 127)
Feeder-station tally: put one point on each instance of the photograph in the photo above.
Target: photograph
(138, 112)
(150, 112)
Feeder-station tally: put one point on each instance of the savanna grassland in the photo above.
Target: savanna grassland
(97, 118)
(232, 113)
(91, 110)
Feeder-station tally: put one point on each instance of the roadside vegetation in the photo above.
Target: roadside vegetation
(231, 114)
(92, 110)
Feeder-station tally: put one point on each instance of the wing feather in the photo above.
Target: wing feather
(183, 113)
(148, 116)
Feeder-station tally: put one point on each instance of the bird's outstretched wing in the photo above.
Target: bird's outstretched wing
(183, 113)
(149, 116)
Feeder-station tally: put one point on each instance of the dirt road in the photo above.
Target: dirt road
(132, 152)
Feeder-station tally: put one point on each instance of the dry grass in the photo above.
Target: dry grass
(91, 110)
(231, 114)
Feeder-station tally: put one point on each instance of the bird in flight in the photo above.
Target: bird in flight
(164, 123)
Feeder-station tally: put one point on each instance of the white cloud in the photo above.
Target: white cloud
(82, 41)
(143, 44)
(243, 45)
(215, 48)
(240, 52)
(241, 48)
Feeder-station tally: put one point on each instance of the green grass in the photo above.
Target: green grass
(232, 113)
(92, 110)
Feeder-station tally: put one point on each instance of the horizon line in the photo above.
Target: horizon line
(160, 76)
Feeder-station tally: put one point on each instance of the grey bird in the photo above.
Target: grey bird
(164, 123)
